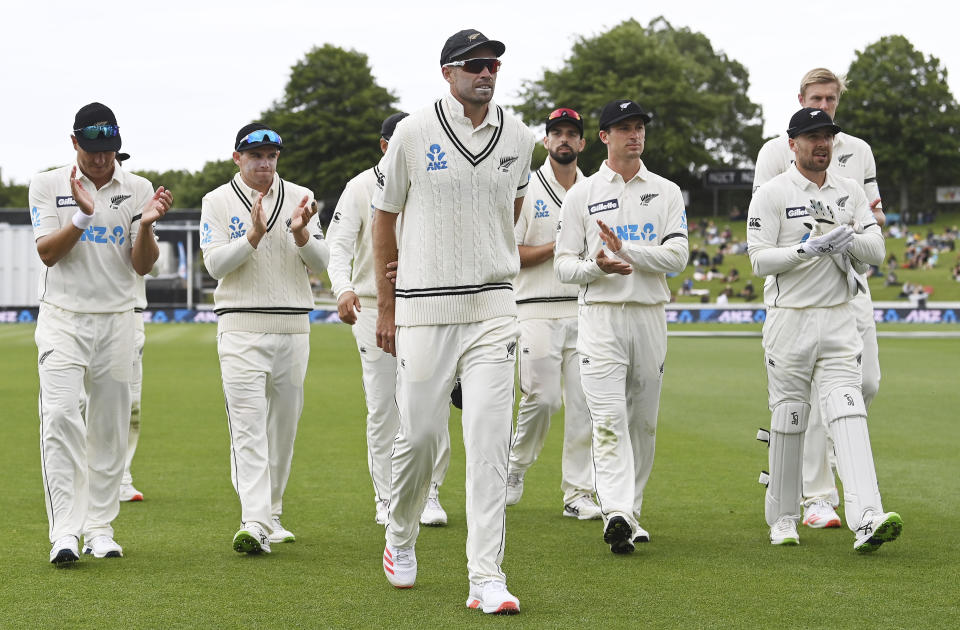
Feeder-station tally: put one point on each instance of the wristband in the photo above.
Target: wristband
(81, 220)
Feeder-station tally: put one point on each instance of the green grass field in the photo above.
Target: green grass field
(709, 564)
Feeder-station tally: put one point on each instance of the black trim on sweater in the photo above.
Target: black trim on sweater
(474, 159)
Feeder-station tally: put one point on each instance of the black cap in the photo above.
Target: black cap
(390, 124)
(96, 114)
(615, 111)
(808, 119)
(465, 41)
(248, 129)
(565, 115)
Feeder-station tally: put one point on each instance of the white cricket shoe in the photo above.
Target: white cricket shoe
(433, 514)
(280, 534)
(251, 538)
(640, 535)
(877, 528)
(383, 511)
(514, 488)
(582, 508)
(400, 565)
(493, 598)
(129, 493)
(65, 550)
(820, 514)
(784, 532)
(102, 547)
(617, 534)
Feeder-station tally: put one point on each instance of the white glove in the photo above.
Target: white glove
(825, 217)
(834, 242)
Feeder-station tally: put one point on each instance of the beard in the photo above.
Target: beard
(563, 158)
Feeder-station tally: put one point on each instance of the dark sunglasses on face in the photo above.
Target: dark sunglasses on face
(259, 135)
(92, 131)
(476, 66)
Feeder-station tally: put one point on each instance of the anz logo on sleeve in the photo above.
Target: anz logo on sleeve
(102, 234)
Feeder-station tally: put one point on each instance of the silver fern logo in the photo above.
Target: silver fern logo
(507, 162)
(116, 200)
(647, 198)
(842, 159)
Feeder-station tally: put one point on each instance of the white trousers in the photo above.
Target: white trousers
(383, 417)
(622, 352)
(430, 358)
(819, 347)
(82, 454)
(818, 478)
(136, 392)
(549, 376)
(263, 386)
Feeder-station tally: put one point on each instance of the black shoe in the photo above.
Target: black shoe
(618, 535)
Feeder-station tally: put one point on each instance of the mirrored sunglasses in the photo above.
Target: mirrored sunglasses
(476, 66)
(91, 132)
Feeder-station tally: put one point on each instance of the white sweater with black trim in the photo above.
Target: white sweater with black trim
(266, 289)
(540, 295)
(456, 186)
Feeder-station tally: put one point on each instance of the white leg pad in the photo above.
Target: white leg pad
(848, 426)
(785, 490)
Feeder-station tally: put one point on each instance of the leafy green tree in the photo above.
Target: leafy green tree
(702, 115)
(329, 118)
(13, 195)
(898, 100)
(189, 188)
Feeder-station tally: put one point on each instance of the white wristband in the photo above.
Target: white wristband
(82, 220)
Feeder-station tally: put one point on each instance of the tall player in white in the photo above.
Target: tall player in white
(350, 239)
(852, 157)
(457, 171)
(547, 310)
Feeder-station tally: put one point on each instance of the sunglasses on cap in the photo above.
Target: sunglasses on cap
(476, 66)
(91, 132)
(260, 135)
(563, 112)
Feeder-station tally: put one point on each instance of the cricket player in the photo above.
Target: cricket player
(93, 224)
(547, 312)
(810, 335)
(350, 239)
(621, 231)
(457, 171)
(852, 157)
(260, 241)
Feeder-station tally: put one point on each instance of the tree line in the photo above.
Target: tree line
(898, 100)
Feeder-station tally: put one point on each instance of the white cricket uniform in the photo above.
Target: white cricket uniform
(853, 158)
(136, 384)
(455, 311)
(263, 300)
(85, 341)
(350, 237)
(811, 336)
(548, 360)
(623, 331)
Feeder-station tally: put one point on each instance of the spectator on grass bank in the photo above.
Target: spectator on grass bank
(748, 293)
(891, 279)
(724, 298)
(956, 271)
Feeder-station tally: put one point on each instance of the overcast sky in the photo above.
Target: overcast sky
(183, 76)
